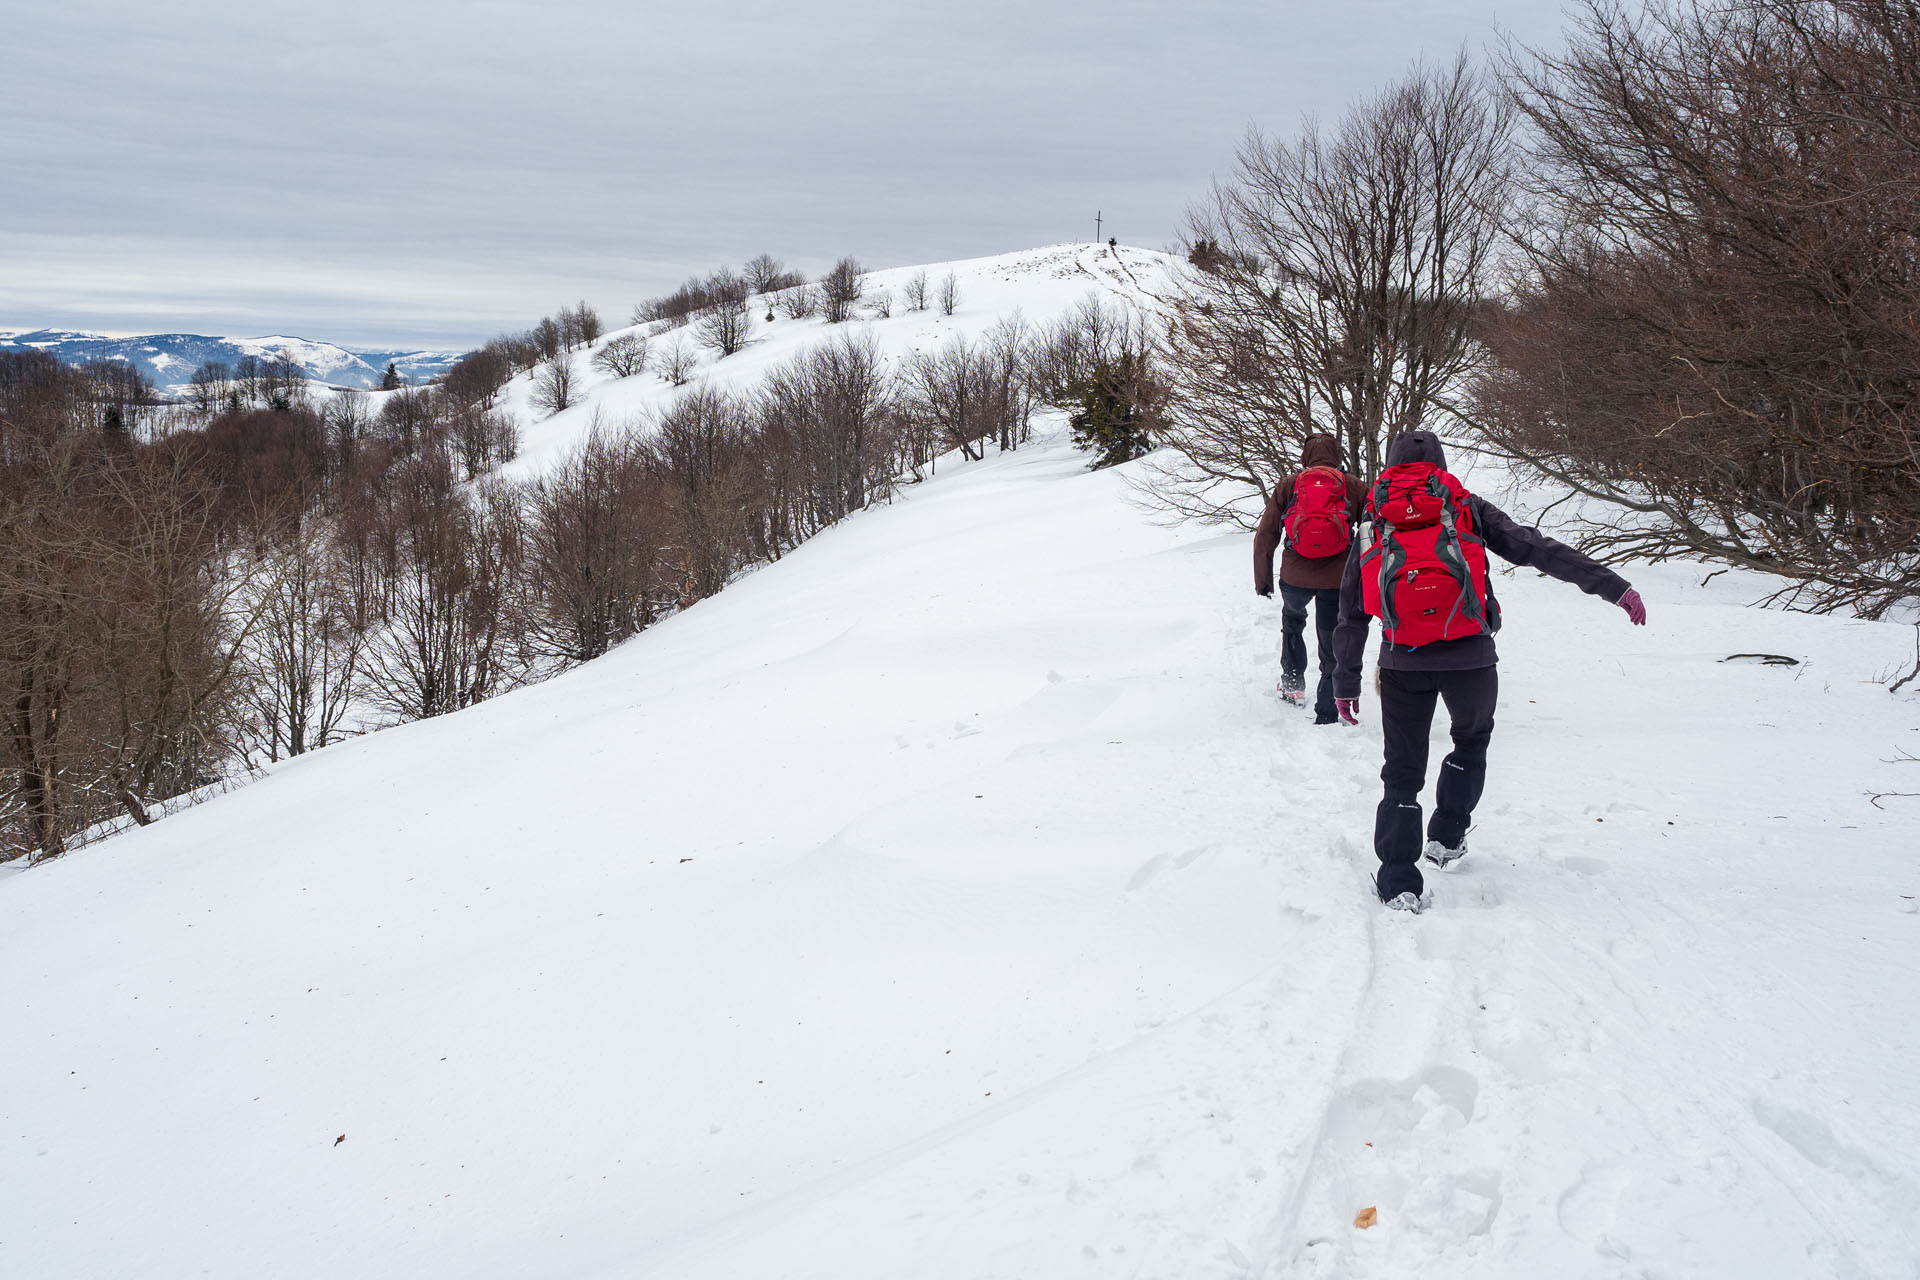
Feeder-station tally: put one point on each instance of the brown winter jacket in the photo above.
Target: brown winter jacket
(1297, 570)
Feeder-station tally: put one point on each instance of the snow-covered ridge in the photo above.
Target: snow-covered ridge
(169, 359)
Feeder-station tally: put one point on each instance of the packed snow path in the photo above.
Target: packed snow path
(954, 899)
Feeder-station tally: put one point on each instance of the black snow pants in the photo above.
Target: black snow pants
(1293, 642)
(1406, 715)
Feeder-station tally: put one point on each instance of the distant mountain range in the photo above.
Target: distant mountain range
(169, 359)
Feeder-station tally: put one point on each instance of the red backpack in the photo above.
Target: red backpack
(1425, 577)
(1316, 519)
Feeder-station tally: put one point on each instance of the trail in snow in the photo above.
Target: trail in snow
(955, 899)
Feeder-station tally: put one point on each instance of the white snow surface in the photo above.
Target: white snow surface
(954, 899)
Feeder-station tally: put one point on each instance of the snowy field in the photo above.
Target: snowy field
(955, 899)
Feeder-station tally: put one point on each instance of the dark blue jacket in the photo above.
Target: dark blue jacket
(1506, 539)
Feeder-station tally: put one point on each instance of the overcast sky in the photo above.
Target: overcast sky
(435, 171)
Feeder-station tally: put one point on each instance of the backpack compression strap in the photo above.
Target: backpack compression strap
(1393, 557)
(1450, 555)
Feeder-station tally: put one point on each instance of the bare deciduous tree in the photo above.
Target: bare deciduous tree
(841, 288)
(481, 439)
(118, 632)
(594, 534)
(826, 413)
(1344, 273)
(211, 384)
(547, 338)
(1716, 333)
(973, 395)
(121, 394)
(449, 638)
(949, 294)
(553, 383)
(476, 378)
(586, 324)
(304, 654)
(1094, 334)
(701, 458)
(916, 291)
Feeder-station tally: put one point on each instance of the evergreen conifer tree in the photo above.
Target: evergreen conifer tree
(390, 381)
(1110, 423)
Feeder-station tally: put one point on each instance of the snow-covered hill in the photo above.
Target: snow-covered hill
(169, 359)
(953, 898)
(1038, 286)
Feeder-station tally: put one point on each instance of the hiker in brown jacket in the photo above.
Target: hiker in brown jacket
(1313, 512)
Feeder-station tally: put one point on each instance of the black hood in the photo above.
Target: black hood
(1416, 446)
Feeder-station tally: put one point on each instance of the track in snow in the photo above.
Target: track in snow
(954, 899)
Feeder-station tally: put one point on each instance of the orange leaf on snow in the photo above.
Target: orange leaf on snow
(1366, 1217)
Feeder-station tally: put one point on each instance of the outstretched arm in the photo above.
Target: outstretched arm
(1528, 546)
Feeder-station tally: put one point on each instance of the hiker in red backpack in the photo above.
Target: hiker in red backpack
(1313, 511)
(1424, 575)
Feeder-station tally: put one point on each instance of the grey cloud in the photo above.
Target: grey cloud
(434, 171)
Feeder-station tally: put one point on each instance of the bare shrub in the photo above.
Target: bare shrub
(622, 356)
(971, 395)
(949, 294)
(799, 301)
(586, 324)
(594, 545)
(210, 386)
(915, 291)
(482, 439)
(457, 557)
(546, 338)
(726, 323)
(825, 418)
(476, 378)
(678, 307)
(118, 633)
(304, 655)
(1064, 357)
(701, 456)
(841, 288)
(553, 383)
(678, 363)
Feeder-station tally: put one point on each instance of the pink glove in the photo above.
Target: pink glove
(1636, 607)
(1349, 709)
